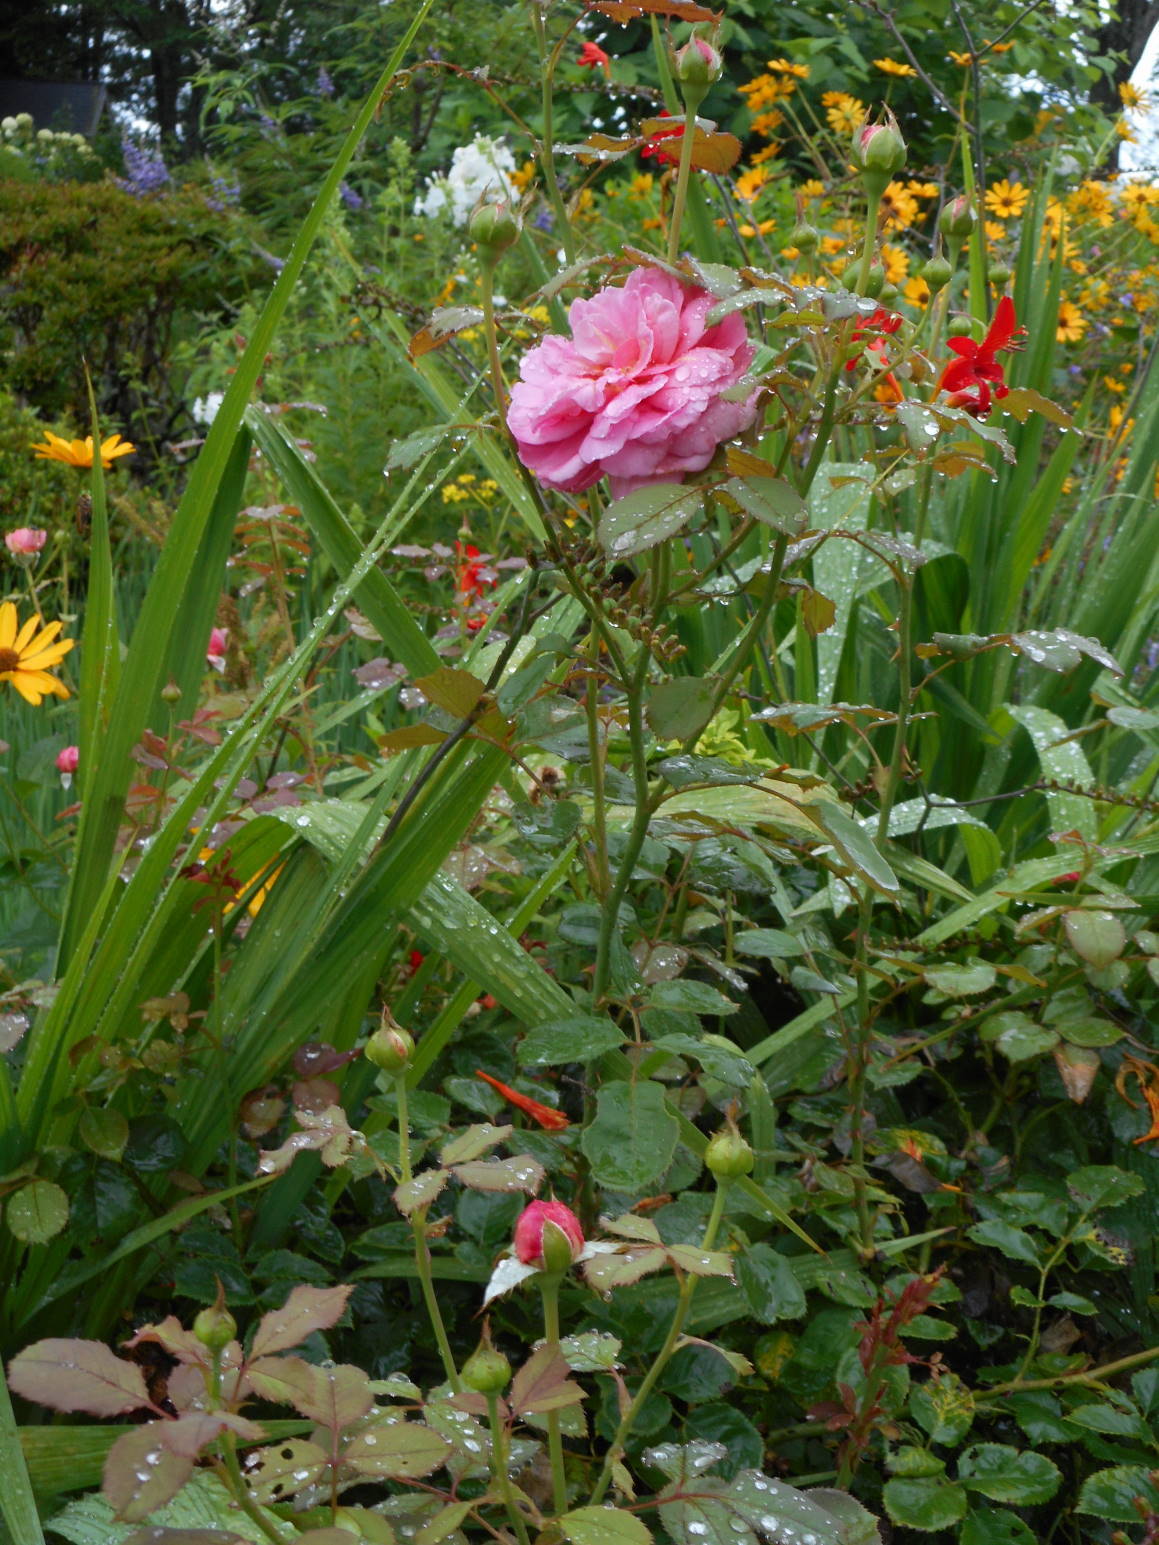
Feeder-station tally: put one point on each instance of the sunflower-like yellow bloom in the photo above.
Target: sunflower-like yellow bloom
(894, 67)
(28, 655)
(79, 453)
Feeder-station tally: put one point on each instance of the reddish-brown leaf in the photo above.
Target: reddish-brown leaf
(78, 1376)
(141, 1475)
(188, 1435)
(306, 1310)
(631, 10)
(542, 1384)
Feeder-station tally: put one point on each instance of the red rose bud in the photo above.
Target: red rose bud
(548, 1236)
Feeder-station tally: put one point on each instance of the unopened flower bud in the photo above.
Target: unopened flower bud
(494, 228)
(170, 692)
(999, 273)
(878, 152)
(486, 1371)
(25, 543)
(215, 1327)
(937, 273)
(548, 1236)
(874, 281)
(960, 327)
(804, 237)
(698, 64)
(728, 1156)
(957, 218)
(390, 1047)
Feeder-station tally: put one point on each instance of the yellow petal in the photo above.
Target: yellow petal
(47, 659)
(7, 624)
(51, 629)
(25, 686)
(26, 632)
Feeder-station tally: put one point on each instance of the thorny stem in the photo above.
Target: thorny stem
(499, 1473)
(681, 197)
(418, 1224)
(675, 1330)
(1091, 1378)
(546, 146)
(549, 1289)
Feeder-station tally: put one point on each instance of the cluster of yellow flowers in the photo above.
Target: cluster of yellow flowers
(467, 487)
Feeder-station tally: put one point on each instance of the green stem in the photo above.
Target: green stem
(682, 176)
(229, 1472)
(498, 384)
(610, 912)
(549, 1289)
(675, 1330)
(596, 755)
(418, 1226)
(873, 199)
(499, 1476)
(1088, 1378)
(546, 146)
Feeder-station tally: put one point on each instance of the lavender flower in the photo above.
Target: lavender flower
(349, 197)
(325, 84)
(224, 193)
(146, 168)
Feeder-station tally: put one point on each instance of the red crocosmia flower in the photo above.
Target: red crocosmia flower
(593, 56)
(550, 1120)
(868, 335)
(651, 146)
(968, 378)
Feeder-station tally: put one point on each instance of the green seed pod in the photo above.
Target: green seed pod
(494, 228)
(804, 237)
(390, 1047)
(937, 273)
(486, 1371)
(998, 273)
(960, 327)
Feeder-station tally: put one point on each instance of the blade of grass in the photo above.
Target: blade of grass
(17, 1503)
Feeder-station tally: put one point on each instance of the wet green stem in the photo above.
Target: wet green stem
(549, 1290)
(418, 1225)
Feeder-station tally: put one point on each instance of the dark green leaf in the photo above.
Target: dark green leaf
(1007, 1475)
(680, 709)
(926, 1503)
(633, 1137)
(647, 517)
(769, 1285)
(1015, 1243)
(1111, 1494)
(568, 1040)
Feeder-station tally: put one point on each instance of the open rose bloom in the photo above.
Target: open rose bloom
(634, 395)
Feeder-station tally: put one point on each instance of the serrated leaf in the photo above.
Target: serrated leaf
(591, 1351)
(701, 1263)
(278, 1471)
(1009, 1475)
(1111, 1493)
(581, 1039)
(285, 1381)
(770, 500)
(647, 517)
(308, 1309)
(995, 1526)
(473, 1143)
(396, 1451)
(420, 1191)
(339, 1396)
(632, 1137)
(603, 1526)
(193, 1431)
(961, 981)
(1103, 1185)
(1098, 937)
(679, 709)
(726, 1063)
(520, 1173)
(769, 1284)
(455, 691)
(1017, 1036)
(719, 1512)
(445, 1522)
(542, 1384)
(1015, 1243)
(72, 1375)
(140, 1476)
(37, 1212)
(603, 1273)
(925, 1503)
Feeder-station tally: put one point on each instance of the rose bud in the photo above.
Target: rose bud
(698, 64)
(494, 228)
(728, 1156)
(390, 1047)
(957, 218)
(548, 1236)
(878, 152)
(937, 273)
(66, 764)
(25, 541)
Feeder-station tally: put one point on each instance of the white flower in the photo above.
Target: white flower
(205, 408)
(476, 170)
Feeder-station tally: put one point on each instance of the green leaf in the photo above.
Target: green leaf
(680, 709)
(768, 943)
(769, 1285)
(141, 1475)
(1111, 1494)
(568, 1040)
(591, 1351)
(396, 1451)
(1091, 1031)
(1016, 1035)
(1009, 1475)
(1015, 1243)
(202, 1504)
(724, 1062)
(1098, 937)
(943, 1408)
(17, 1502)
(961, 981)
(926, 1503)
(854, 845)
(995, 1526)
(1103, 1185)
(1060, 758)
(604, 1526)
(37, 1212)
(1111, 1420)
(647, 517)
(770, 500)
(691, 997)
(633, 1136)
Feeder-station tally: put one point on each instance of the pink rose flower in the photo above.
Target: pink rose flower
(215, 649)
(529, 1229)
(25, 541)
(634, 395)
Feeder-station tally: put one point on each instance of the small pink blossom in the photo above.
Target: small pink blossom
(25, 541)
(66, 764)
(634, 394)
(529, 1230)
(215, 651)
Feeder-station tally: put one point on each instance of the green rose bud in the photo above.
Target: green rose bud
(999, 273)
(390, 1047)
(215, 1327)
(960, 327)
(957, 218)
(937, 273)
(804, 237)
(878, 152)
(728, 1156)
(486, 1371)
(494, 228)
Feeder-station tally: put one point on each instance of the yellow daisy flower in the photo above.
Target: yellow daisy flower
(1071, 322)
(1131, 97)
(845, 114)
(1124, 130)
(994, 229)
(27, 656)
(788, 67)
(79, 453)
(813, 187)
(916, 291)
(1007, 200)
(899, 207)
(892, 67)
(750, 183)
(766, 152)
(767, 123)
(895, 261)
(964, 60)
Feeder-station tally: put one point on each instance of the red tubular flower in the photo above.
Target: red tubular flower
(550, 1119)
(592, 56)
(651, 146)
(529, 1231)
(968, 378)
(869, 335)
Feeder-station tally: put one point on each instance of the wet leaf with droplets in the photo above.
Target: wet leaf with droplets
(141, 1476)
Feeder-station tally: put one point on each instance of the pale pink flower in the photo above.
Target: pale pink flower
(529, 1231)
(215, 650)
(25, 541)
(634, 394)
